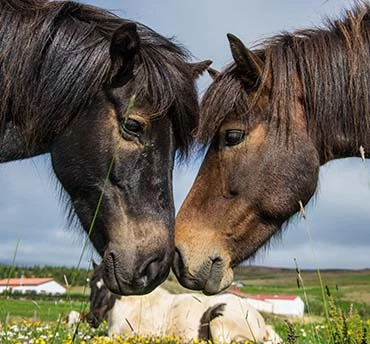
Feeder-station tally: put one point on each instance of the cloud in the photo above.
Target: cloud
(32, 216)
(57, 247)
(318, 255)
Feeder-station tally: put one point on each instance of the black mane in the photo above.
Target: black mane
(331, 65)
(54, 59)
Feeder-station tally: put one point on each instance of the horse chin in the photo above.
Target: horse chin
(215, 286)
(121, 286)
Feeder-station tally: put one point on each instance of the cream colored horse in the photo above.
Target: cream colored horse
(222, 318)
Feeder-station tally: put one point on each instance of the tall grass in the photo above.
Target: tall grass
(339, 327)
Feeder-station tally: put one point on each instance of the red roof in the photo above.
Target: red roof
(262, 297)
(17, 282)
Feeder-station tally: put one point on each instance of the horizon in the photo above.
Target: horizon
(241, 266)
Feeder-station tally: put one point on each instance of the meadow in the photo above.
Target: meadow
(345, 319)
(349, 288)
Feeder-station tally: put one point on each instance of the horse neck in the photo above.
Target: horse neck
(325, 73)
(13, 145)
(344, 146)
(336, 98)
(335, 139)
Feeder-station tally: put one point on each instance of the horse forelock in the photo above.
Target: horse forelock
(225, 96)
(326, 68)
(164, 78)
(61, 59)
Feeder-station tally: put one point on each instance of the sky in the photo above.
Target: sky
(33, 227)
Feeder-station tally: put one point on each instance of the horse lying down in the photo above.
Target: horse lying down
(224, 317)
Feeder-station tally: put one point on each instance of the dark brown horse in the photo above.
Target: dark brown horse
(271, 119)
(67, 73)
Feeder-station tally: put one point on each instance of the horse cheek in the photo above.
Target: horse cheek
(292, 177)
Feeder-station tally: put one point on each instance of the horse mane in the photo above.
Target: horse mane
(326, 68)
(58, 52)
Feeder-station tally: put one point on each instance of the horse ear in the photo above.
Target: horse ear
(249, 63)
(124, 46)
(199, 67)
(213, 73)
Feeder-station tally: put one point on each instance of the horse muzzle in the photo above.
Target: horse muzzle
(128, 274)
(211, 275)
(92, 320)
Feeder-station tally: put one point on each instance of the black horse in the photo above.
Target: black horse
(67, 74)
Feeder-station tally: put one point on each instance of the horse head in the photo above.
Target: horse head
(259, 165)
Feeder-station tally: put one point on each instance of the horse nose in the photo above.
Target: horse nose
(92, 320)
(125, 275)
(182, 274)
(205, 274)
(150, 270)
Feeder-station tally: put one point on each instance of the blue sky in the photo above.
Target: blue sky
(338, 217)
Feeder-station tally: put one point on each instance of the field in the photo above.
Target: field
(347, 287)
(38, 322)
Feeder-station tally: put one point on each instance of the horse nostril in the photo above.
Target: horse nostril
(126, 275)
(109, 259)
(151, 269)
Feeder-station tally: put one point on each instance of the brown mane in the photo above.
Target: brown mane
(333, 71)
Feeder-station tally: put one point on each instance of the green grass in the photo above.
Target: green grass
(37, 310)
(349, 314)
(348, 287)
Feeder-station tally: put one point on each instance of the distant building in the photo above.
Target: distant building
(238, 284)
(32, 285)
(290, 305)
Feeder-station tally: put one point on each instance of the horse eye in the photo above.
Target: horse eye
(234, 137)
(132, 126)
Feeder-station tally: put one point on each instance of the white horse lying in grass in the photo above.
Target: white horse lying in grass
(224, 317)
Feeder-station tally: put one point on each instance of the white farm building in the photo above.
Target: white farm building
(32, 285)
(290, 305)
